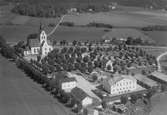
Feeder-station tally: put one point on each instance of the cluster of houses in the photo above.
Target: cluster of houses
(69, 85)
(113, 85)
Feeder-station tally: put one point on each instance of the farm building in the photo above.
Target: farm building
(64, 82)
(81, 97)
(159, 77)
(145, 82)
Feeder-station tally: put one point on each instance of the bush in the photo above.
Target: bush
(155, 28)
(69, 24)
(99, 25)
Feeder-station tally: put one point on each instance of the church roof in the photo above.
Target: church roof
(34, 43)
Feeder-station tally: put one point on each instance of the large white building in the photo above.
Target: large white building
(119, 85)
(39, 45)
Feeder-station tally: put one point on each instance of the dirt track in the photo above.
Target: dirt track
(19, 95)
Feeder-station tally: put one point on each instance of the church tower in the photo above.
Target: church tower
(43, 37)
(42, 34)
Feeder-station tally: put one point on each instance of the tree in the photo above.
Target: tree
(144, 72)
(86, 59)
(124, 99)
(74, 43)
(54, 42)
(94, 77)
(133, 99)
(2, 42)
(129, 41)
(8, 52)
(109, 67)
(19, 47)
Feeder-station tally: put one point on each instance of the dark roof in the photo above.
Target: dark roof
(78, 94)
(33, 42)
(62, 77)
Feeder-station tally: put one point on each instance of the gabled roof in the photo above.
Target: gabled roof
(114, 79)
(78, 94)
(62, 77)
(34, 43)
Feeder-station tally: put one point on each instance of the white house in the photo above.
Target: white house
(119, 85)
(81, 97)
(64, 82)
(38, 46)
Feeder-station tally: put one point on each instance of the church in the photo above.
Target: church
(38, 46)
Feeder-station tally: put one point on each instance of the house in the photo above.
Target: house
(80, 97)
(38, 45)
(72, 10)
(90, 111)
(119, 85)
(145, 82)
(64, 82)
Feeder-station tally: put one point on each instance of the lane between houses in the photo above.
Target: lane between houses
(159, 59)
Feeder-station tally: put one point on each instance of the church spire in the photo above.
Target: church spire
(40, 27)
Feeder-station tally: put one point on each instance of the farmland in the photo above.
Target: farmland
(159, 36)
(20, 26)
(159, 104)
(21, 96)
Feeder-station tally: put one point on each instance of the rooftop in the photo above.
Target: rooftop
(117, 77)
(160, 75)
(62, 77)
(145, 80)
(114, 79)
(34, 42)
(78, 94)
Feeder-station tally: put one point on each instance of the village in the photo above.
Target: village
(92, 78)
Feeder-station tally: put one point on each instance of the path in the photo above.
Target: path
(158, 61)
(19, 95)
(57, 25)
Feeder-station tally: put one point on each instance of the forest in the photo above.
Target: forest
(55, 8)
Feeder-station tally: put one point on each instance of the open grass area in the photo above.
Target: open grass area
(20, 26)
(159, 103)
(159, 36)
(127, 32)
(19, 95)
(78, 33)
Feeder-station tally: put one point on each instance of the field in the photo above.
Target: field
(15, 27)
(126, 32)
(75, 3)
(159, 36)
(159, 103)
(19, 95)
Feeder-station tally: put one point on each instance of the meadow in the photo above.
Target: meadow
(22, 96)
(15, 27)
(159, 36)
